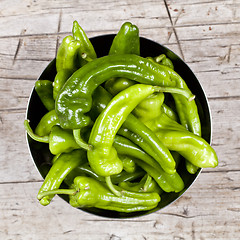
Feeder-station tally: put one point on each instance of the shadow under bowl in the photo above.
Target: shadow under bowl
(40, 152)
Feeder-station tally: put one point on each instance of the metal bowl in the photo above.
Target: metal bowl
(42, 157)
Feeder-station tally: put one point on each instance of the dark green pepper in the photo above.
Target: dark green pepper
(75, 98)
(88, 192)
(44, 89)
(64, 164)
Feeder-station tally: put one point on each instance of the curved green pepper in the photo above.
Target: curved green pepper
(103, 156)
(88, 192)
(128, 164)
(44, 89)
(46, 123)
(64, 164)
(192, 147)
(75, 98)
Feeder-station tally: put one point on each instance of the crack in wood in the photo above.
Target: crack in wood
(174, 30)
(20, 40)
(58, 30)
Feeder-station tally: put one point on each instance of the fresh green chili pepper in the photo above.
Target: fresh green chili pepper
(103, 156)
(75, 98)
(167, 182)
(44, 89)
(192, 147)
(86, 46)
(67, 55)
(85, 169)
(64, 164)
(146, 184)
(59, 80)
(60, 140)
(126, 41)
(132, 128)
(46, 123)
(88, 192)
(170, 112)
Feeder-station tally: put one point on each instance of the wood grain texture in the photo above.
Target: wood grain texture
(205, 33)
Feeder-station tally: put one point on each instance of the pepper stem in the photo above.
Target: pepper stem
(111, 186)
(185, 92)
(34, 136)
(146, 184)
(86, 57)
(57, 191)
(80, 141)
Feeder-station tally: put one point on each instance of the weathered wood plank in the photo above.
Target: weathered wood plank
(21, 215)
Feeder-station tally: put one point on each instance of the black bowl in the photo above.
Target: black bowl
(35, 110)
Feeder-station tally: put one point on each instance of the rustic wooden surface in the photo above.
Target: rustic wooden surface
(205, 33)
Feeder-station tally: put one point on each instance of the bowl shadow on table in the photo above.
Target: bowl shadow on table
(40, 151)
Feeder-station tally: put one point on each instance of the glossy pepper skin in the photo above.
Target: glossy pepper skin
(75, 98)
(192, 147)
(86, 170)
(134, 129)
(86, 46)
(44, 90)
(64, 164)
(59, 140)
(146, 184)
(46, 123)
(126, 41)
(103, 156)
(88, 192)
(59, 80)
(67, 55)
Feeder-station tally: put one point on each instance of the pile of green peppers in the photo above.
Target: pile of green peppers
(116, 142)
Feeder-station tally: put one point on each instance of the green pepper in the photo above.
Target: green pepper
(60, 140)
(44, 89)
(103, 156)
(59, 80)
(192, 147)
(150, 107)
(167, 182)
(64, 164)
(146, 184)
(126, 41)
(88, 192)
(86, 46)
(85, 169)
(116, 85)
(46, 123)
(67, 55)
(163, 60)
(75, 98)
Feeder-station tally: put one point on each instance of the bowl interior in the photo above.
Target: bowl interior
(42, 156)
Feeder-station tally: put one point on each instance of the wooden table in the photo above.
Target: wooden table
(206, 34)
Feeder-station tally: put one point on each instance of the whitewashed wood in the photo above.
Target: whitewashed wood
(205, 36)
